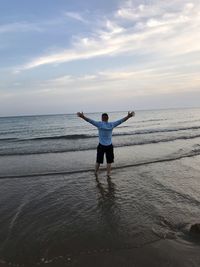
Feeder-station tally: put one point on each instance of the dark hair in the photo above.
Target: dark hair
(104, 114)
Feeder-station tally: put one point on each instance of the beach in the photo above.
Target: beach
(55, 212)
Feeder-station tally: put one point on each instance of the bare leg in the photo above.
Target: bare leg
(108, 169)
(97, 165)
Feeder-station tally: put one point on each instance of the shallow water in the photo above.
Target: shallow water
(67, 216)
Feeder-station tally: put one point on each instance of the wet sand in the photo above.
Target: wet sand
(139, 217)
(161, 253)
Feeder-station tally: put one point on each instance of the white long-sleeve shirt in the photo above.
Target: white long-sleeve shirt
(105, 130)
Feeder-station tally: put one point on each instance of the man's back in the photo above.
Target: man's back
(105, 130)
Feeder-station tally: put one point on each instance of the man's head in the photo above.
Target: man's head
(104, 117)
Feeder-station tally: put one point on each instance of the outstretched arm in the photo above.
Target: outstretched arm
(82, 116)
(129, 115)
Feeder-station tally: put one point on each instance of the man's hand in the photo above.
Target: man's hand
(131, 114)
(81, 115)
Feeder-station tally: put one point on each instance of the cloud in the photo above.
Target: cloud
(157, 29)
(19, 27)
(115, 86)
(154, 9)
(75, 16)
(149, 80)
(38, 26)
(106, 44)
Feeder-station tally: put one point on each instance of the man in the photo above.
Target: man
(105, 129)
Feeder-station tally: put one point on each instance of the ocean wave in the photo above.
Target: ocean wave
(88, 136)
(151, 120)
(189, 121)
(70, 136)
(8, 139)
(150, 131)
(71, 149)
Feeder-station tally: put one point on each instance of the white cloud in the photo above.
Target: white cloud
(158, 29)
(75, 16)
(86, 48)
(116, 86)
(19, 27)
(149, 80)
(138, 13)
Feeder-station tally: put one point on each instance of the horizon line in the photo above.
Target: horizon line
(92, 112)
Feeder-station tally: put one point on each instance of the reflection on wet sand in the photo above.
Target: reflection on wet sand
(108, 192)
(108, 207)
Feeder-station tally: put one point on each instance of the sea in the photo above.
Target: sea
(55, 212)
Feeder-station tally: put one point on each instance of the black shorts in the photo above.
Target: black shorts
(108, 150)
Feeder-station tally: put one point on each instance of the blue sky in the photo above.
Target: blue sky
(65, 56)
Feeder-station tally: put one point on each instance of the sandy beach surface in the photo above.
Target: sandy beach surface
(139, 217)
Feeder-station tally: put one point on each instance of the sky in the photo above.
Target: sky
(65, 56)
